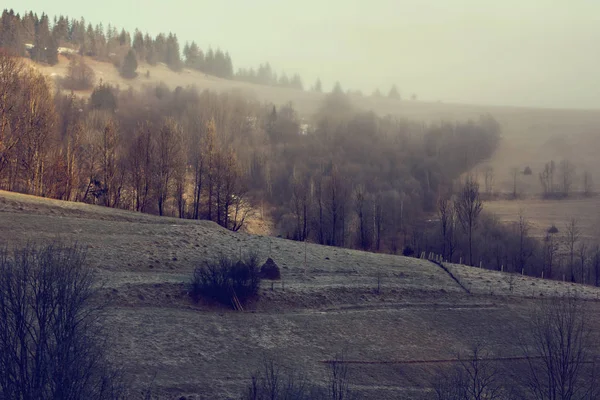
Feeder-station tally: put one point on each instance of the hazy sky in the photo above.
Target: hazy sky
(518, 52)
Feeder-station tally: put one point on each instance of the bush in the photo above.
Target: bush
(219, 281)
(103, 98)
(80, 76)
(408, 251)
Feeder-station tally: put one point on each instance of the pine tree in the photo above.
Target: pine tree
(318, 86)
(138, 45)
(394, 93)
(228, 67)
(160, 48)
(130, 64)
(173, 58)
(150, 50)
(296, 82)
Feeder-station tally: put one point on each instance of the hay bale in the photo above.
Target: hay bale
(270, 270)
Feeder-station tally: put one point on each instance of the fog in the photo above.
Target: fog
(543, 53)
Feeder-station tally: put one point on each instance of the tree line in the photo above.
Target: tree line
(40, 37)
(354, 180)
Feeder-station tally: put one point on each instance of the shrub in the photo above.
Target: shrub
(408, 251)
(103, 98)
(80, 76)
(219, 281)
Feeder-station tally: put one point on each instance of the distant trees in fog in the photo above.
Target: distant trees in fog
(264, 75)
(344, 177)
(560, 180)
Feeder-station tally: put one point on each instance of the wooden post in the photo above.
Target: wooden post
(502, 268)
(480, 264)
(522, 271)
(460, 260)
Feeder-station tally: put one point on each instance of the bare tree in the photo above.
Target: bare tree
(168, 157)
(488, 174)
(558, 351)
(338, 379)
(447, 215)
(140, 156)
(582, 252)
(273, 382)
(551, 246)
(301, 203)
(567, 174)
(51, 345)
(547, 178)
(468, 207)
(514, 173)
(474, 378)
(572, 236)
(525, 250)
(361, 208)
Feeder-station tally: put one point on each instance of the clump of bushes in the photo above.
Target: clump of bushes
(220, 280)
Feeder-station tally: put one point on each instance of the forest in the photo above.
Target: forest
(354, 179)
(40, 38)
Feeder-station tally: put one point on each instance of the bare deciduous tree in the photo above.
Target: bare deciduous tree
(547, 178)
(514, 173)
(468, 206)
(557, 350)
(572, 236)
(474, 378)
(338, 380)
(567, 174)
(524, 250)
(50, 343)
(447, 214)
(488, 174)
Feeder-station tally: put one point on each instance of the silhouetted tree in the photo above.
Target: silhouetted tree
(468, 207)
(129, 66)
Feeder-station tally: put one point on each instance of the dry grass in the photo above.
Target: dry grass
(542, 214)
(327, 306)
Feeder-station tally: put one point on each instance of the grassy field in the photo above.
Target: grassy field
(542, 214)
(323, 307)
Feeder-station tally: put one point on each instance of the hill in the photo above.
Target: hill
(324, 307)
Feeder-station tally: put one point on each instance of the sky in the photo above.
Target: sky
(541, 53)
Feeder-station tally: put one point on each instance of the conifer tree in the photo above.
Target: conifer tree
(130, 64)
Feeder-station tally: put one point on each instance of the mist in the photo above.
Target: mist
(540, 54)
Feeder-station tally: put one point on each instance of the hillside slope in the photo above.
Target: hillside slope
(327, 306)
